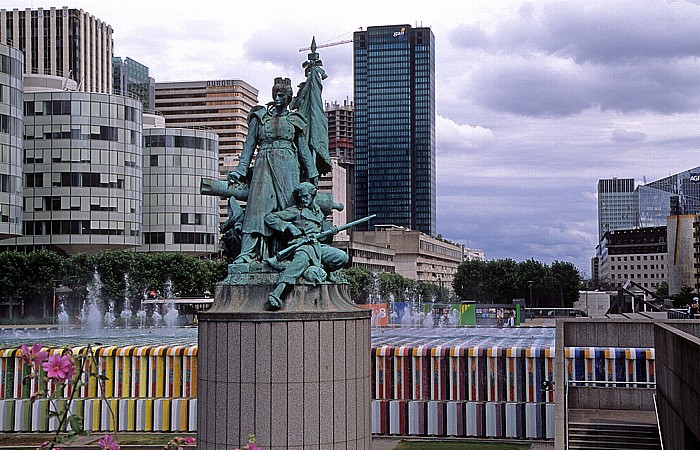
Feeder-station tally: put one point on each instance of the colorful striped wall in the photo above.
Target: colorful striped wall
(416, 390)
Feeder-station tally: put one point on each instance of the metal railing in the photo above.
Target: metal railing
(678, 313)
(603, 384)
(566, 416)
(658, 424)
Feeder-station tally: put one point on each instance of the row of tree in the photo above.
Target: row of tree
(366, 287)
(34, 276)
(500, 281)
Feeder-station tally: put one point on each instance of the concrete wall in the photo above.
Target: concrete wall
(633, 399)
(610, 333)
(678, 369)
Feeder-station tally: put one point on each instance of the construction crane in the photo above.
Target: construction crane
(330, 44)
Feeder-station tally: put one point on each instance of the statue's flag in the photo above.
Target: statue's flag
(309, 103)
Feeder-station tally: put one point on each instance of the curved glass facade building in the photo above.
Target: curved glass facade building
(11, 119)
(82, 172)
(176, 217)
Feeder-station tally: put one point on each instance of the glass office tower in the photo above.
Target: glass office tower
(394, 71)
(131, 79)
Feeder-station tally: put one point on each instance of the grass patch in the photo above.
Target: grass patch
(461, 445)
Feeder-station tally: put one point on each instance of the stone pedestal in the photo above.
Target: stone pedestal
(298, 378)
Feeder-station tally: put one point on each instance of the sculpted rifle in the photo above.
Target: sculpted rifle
(282, 254)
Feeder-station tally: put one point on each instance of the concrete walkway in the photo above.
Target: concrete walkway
(384, 443)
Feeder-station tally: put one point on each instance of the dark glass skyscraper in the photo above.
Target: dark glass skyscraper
(394, 69)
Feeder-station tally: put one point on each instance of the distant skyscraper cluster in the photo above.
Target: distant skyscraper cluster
(83, 169)
(623, 206)
(646, 232)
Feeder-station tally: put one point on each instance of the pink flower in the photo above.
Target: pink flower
(252, 446)
(33, 355)
(177, 442)
(108, 443)
(59, 367)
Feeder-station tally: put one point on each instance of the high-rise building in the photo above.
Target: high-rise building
(11, 150)
(617, 205)
(394, 75)
(131, 79)
(341, 123)
(221, 106)
(62, 42)
(676, 194)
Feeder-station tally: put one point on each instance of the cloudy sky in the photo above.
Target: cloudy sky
(536, 101)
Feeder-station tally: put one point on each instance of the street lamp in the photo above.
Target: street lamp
(530, 283)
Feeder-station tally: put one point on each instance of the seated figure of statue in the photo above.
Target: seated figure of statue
(310, 258)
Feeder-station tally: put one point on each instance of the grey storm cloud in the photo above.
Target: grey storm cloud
(559, 59)
(622, 136)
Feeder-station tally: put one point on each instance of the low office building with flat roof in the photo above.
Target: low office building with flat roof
(639, 255)
(417, 256)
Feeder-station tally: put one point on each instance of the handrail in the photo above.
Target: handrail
(566, 416)
(602, 382)
(658, 424)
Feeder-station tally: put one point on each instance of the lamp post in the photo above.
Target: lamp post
(530, 283)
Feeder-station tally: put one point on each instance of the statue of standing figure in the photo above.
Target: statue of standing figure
(283, 226)
(283, 160)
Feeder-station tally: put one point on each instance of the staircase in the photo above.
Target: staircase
(609, 436)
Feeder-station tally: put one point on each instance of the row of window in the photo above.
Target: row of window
(179, 238)
(639, 276)
(440, 249)
(639, 267)
(170, 141)
(8, 183)
(10, 95)
(65, 107)
(10, 125)
(370, 255)
(11, 66)
(639, 258)
(74, 179)
(59, 227)
(84, 133)
(76, 203)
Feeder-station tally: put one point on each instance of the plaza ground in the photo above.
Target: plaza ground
(148, 441)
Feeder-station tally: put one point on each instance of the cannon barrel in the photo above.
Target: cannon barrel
(221, 188)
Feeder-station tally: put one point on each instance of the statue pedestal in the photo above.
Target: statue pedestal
(296, 378)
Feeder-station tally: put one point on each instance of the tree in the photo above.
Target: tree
(662, 290)
(684, 297)
(500, 281)
(393, 284)
(12, 276)
(470, 280)
(360, 284)
(566, 281)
